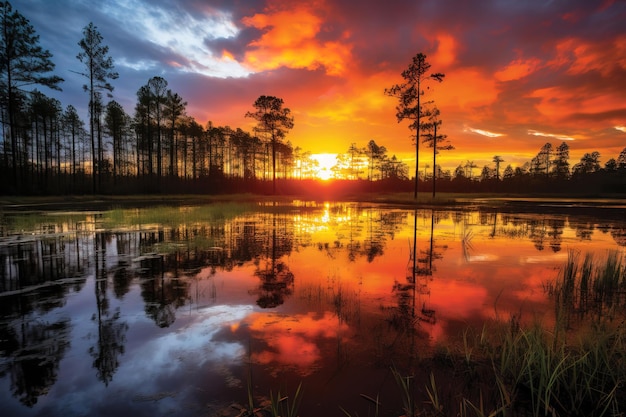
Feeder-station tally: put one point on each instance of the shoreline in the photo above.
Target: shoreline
(425, 200)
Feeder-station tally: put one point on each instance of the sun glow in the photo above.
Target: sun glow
(326, 161)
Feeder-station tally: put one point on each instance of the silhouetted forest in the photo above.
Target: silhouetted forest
(47, 149)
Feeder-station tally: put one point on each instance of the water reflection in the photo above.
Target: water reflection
(111, 330)
(303, 291)
(31, 354)
(276, 279)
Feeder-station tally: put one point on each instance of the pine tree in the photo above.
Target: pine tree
(23, 62)
(409, 95)
(98, 69)
(275, 121)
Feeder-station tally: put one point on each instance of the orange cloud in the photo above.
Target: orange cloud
(355, 100)
(290, 40)
(292, 341)
(445, 54)
(466, 88)
(581, 56)
(517, 69)
(557, 102)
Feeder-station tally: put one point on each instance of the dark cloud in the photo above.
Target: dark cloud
(236, 46)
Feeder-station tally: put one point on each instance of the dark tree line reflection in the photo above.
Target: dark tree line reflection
(276, 278)
(40, 268)
(413, 294)
(30, 355)
(111, 331)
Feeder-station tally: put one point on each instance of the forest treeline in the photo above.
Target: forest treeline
(47, 149)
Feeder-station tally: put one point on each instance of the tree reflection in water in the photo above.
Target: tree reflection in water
(276, 278)
(31, 347)
(414, 295)
(111, 330)
(36, 349)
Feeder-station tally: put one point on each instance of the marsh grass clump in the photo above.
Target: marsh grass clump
(528, 371)
(284, 406)
(550, 375)
(275, 406)
(591, 286)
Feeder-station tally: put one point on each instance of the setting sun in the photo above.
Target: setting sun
(326, 161)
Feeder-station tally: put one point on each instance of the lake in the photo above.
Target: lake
(185, 310)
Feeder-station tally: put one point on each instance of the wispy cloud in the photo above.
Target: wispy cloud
(483, 132)
(621, 128)
(182, 36)
(550, 135)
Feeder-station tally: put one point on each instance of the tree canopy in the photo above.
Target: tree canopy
(273, 120)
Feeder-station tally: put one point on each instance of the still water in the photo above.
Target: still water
(178, 310)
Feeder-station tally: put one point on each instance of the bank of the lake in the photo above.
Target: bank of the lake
(104, 202)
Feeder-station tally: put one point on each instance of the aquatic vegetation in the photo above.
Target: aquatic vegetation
(589, 286)
(281, 407)
(174, 215)
(554, 377)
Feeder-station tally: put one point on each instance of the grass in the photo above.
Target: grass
(164, 215)
(276, 406)
(173, 215)
(527, 373)
(280, 406)
(589, 287)
(38, 222)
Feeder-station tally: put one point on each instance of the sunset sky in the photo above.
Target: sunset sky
(518, 73)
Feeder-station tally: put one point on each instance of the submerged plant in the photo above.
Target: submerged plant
(406, 391)
(281, 407)
(433, 395)
(589, 286)
(375, 401)
(481, 410)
